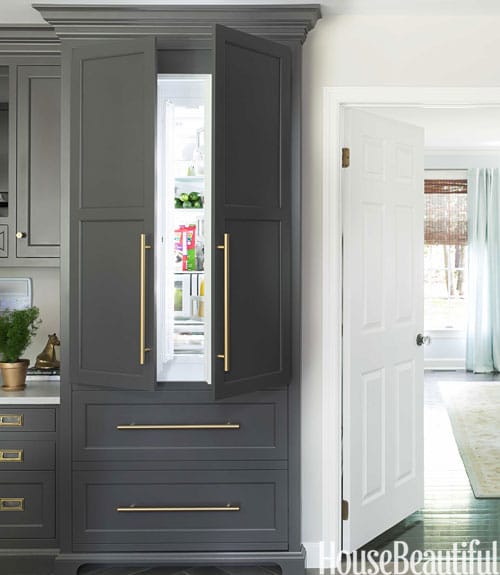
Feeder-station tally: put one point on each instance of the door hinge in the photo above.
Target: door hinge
(345, 510)
(346, 157)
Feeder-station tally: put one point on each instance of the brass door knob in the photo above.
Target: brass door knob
(20, 235)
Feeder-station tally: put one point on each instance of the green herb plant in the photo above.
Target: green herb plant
(17, 328)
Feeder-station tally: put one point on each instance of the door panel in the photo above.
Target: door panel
(383, 312)
(113, 103)
(252, 87)
(39, 159)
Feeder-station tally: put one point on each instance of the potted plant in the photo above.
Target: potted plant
(17, 328)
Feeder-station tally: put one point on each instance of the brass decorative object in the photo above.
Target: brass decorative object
(47, 358)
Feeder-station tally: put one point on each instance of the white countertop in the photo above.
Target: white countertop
(37, 392)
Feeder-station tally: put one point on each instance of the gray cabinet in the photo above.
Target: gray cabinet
(168, 470)
(30, 161)
(38, 161)
(27, 477)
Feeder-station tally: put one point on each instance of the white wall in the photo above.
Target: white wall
(354, 50)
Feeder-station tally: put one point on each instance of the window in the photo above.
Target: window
(445, 250)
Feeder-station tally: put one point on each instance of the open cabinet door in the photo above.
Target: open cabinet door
(112, 159)
(251, 214)
(383, 201)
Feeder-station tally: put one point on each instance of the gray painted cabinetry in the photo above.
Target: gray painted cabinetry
(179, 472)
(27, 478)
(30, 224)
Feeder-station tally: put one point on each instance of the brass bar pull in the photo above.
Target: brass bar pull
(134, 509)
(12, 504)
(225, 355)
(11, 420)
(142, 328)
(11, 455)
(180, 426)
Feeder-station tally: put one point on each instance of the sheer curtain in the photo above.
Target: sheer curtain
(483, 312)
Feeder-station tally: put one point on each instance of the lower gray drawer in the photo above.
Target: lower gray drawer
(26, 419)
(181, 507)
(27, 505)
(26, 455)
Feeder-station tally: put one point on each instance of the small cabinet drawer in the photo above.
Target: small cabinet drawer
(180, 430)
(215, 508)
(26, 455)
(27, 419)
(27, 505)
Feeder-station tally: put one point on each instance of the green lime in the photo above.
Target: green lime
(197, 204)
(178, 203)
(194, 196)
(187, 204)
(184, 197)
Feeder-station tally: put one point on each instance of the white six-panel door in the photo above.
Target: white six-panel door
(382, 315)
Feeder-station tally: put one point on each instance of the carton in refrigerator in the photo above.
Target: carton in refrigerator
(185, 248)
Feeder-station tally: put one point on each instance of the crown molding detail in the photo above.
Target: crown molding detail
(280, 22)
(18, 40)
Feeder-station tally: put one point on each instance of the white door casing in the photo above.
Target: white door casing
(383, 218)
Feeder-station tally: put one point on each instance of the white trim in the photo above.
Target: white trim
(445, 364)
(334, 100)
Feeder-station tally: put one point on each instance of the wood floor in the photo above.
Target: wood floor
(451, 512)
(102, 570)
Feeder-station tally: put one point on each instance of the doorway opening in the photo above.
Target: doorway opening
(470, 516)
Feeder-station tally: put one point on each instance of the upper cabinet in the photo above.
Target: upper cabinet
(180, 195)
(30, 150)
(38, 161)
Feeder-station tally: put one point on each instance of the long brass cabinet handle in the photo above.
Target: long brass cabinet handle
(142, 328)
(132, 426)
(11, 455)
(12, 504)
(8, 420)
(134, 509)
(226, 249)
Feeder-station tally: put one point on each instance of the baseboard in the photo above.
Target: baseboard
(445, 364)
(27, 561)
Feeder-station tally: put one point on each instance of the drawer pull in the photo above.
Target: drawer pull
(11, 455)
(176, 426)
(11, 420)
(12, 504)
(134, 509)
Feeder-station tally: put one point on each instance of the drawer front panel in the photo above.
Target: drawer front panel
(183, 431)
(26, 455)
(27, 505)
(138, 507)
(27, 419)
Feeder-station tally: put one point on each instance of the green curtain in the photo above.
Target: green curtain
(483, 311)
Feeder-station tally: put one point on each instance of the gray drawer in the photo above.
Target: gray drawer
(178, 508)
(26, 419)
(27, 505)
(16, 455)
(106, 431)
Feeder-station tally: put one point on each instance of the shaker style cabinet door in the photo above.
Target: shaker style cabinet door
(112, 134)
(38, 162)
(252, 213)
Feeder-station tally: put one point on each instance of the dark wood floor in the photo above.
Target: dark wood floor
(451, 512)
(103, 570)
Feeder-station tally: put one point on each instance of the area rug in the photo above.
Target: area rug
(474, 411)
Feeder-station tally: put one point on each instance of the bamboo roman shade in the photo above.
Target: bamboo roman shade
(446, 212)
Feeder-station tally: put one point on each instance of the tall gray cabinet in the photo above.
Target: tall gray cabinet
(155, 470)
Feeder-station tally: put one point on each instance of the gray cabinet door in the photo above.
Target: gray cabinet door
(38, 161)
(112, 128)
(252, 198)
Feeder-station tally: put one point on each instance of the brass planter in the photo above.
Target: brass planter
(14, 375)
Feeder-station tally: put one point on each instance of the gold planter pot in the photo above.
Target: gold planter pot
(14, 375)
